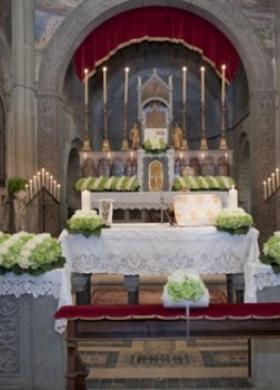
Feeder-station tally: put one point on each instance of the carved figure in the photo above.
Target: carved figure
(88, 168)
(177, 137)
(20, 201)
(134, 136)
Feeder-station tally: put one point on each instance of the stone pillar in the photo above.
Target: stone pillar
(262, 141)
(277, 86)
(22, 143)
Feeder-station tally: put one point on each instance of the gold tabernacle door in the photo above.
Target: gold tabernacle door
(155, 176)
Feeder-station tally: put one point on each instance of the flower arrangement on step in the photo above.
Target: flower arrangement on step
(271, 252)
(86, 222)
(203, 183)
(185, 288)
(29, 253)
(111, 184)
(234, 221)
(155, 145)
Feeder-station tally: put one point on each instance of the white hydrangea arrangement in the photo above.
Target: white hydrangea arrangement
(110, 184)
(86, 222)
(155, 145)
(234, 221)
(29, 253)
(271, 252)
(185, 287)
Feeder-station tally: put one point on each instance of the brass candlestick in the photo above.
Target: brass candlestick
(105, 144)
(86, 143)
(125, 145)
(203, 139)
(223, 141)
(184, 145)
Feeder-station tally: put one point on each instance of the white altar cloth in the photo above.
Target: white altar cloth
(147, 200)
(55, 283)
(154, 249)
(257, 277)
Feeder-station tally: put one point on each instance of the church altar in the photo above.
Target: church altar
(147, 200)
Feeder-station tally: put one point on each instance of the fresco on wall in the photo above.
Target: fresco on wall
(48, 16)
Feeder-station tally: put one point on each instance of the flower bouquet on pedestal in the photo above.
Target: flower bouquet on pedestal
(185, 288)
(271, 252)
(29, 253)
(86, 222)
(234, 221)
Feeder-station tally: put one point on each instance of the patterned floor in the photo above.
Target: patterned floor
(198, 364)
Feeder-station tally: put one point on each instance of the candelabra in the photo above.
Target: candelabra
(271, 184)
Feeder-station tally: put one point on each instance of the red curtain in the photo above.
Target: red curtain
(156, 23)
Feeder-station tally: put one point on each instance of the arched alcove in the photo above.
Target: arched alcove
(224, 14)
(244, 181)
(73, 174)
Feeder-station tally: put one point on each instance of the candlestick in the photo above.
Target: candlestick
(35, 187)
(202, 84)
(43, 177)
(131, 155)
(47, 180)
(86, 86)
(184, 84)
(51, 184)
(233, 198)
(31, 188)
(265, 190)
(277, 177)
(54, 188)
(273, 182)
(86, 200)
(269, 186)
(39, 180)
(181, 156)
(126, 72)
(27, 191)
(104, 84)
(223, 86)
(58, 192)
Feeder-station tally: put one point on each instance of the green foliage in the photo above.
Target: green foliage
(203, 183)
(234, 221)
(16, 184)
(184, 286)
(103, 183)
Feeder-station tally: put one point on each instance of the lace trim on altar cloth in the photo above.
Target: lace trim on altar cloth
(19, 287)
(267, 280)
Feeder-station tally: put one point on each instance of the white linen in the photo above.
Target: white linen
(56, 283)
(134, 249)
(257, 277)
(148, 200)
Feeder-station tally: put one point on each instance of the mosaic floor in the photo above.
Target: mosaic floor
(198, 364)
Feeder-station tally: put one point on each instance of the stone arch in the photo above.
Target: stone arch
(225, 14)
(244, 177)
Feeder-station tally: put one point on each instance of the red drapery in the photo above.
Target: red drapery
(156, 23)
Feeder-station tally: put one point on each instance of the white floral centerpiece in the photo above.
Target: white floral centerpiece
(29, 253)
(271, 252)
(86, 222)
(155, 145)
(185, 288)
(234, 221)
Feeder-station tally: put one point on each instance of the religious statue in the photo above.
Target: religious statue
(134, 136)
(88, 168)
(177, 137)
(20, 201)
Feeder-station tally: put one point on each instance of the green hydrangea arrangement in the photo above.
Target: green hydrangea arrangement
(85, 222)
(157, 145)
(29, 253)
(271, 252)
(183, 285)
(112, 183)
(234, 221)
(4, 237)
(203, 183)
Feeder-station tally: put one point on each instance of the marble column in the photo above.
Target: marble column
(22, 142)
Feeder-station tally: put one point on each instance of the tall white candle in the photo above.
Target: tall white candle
(202, 84)
(51, 184)
(58, 192)
(86, 86)
(184, 84)
(265, 190)
(39, 180)
(35, 185)
(269, 191)
(232, 198)
(223, 87)
(277, 173)
(43, 177)
(47, 180)
(126, 72)
(54, 188)
(31, 188)
(27, 191)
(104, 84)
(273, 182)
(86, 200)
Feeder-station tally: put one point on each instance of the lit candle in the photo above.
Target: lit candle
(109, 156)
(126, 72)
(86, 198)
(43, 177)
(54, 188)
(202, 84)
(86, 86)
(277, 177)
(131, 155)
(104, 84)
(223, 87)
(31, 188)
(269, 186)
(273, 182)
(47, 180)
(233, 198)
(184, 84)
(35, 186)
(181, 156)
(265, 190)
(26, 190)
(51, 184)
(39, 180)
(58, 192)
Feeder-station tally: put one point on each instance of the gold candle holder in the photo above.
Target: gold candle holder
(223, 141)
(203, 139)
(125, 144)
(105, 144)
(184, 145)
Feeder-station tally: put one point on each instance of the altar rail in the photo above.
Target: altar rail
(157, 322)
